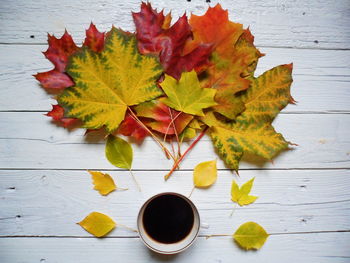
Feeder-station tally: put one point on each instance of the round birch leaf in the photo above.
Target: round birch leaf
(119, 152)
(205, 174)
(250, 235)
(97, 224)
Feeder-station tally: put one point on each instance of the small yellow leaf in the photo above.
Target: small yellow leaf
(247, 187)
(247, 199)
(103, 182)
(241, 195)
(235, 193)
(205, 174)
(250, 235)
(97, 224)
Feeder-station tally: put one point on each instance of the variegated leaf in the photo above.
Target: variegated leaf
(110, 81)
(267, 96)
(260, 140)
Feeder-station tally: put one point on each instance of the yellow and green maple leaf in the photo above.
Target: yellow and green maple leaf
(107, 83)
(252, 130)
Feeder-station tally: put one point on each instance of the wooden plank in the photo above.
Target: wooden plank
(29, 140)
(274, 23)
(321, 78)
(311, 248)
(49, 203)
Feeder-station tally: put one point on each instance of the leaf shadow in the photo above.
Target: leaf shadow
(261, 162)
(95, 136)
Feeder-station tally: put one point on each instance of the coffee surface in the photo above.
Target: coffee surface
(168, 218)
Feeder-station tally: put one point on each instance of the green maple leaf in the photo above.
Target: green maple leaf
(107, 83)
(187, 95)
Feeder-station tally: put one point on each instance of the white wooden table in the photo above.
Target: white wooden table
(304, 195)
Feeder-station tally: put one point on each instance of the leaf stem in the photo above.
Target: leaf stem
(191, 192)
(123, 189)
(166, 177)
(167, 153)
(175, 131)
(233, 210)
(129, 228)
(134, 178)
(218, 235)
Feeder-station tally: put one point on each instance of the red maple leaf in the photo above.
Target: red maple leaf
(94, 39)
(58, 53)
(130, 127)
(161, 118)
(154, 36)
(54, 79)
(57, 114)
(59, 50)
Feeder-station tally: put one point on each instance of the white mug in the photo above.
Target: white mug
(168, 248)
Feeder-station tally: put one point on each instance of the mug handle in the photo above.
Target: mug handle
(204, 225)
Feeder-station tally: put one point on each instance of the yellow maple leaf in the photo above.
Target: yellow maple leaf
(205, 174)
(240, 195)
(250, 235)
(97, 224)
(252, 130)
(103, 182)
(267, 95)
(107, 83)
(187, 95)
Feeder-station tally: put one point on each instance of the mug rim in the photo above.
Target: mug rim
(139, 222)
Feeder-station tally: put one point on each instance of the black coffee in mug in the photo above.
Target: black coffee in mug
(168, 223)
(168, 218)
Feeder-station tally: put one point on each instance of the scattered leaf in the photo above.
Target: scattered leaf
(119, 152)
(110, 81)
(186, 95)
(205, 174)
(103, 182)
(240, 195)
(97, 224)
(250, 235)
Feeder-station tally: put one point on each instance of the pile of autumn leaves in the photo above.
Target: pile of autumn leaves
(171, 82)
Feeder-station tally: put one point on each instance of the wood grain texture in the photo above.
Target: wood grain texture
(29, 140)
(303, 196)
(316, 248)
(49, 203)
(312, 24)
(321, 78)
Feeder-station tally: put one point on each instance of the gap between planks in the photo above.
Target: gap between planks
(166, 170)
(259, 46)
(287, 112)
(200, 236)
